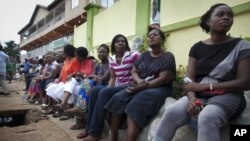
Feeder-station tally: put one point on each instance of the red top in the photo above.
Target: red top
(86, 67)
(68, 68)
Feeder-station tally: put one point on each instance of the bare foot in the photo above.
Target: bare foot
(91, 138)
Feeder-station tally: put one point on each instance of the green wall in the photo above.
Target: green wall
(80, 35)
(117, 19)
(179, 20)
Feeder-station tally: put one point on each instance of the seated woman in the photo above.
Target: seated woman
(33, 87)
(72, 86)
(101, 70)
(218, 72)
(100, 78)
(153, 74)
(46, 75)
(120, 65)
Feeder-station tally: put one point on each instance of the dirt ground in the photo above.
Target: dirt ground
(41, 128)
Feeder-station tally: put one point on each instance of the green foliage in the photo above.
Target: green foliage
(247, 38)
(11, 48)
(144, 46)
(178, 84)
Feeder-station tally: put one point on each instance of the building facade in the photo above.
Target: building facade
(51, 27)
(178, 19)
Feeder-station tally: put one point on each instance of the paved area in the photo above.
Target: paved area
(44, 130)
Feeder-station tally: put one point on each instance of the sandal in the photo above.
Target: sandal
(64, 118)
(44, 106)
(77, 126)
(49, 111)
(81, 135)
(57, 114)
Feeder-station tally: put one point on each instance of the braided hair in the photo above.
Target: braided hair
(204, 18)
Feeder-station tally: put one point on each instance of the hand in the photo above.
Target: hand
(56, 80)
(191, 107)
(140, 81)
(193, 86)
(69, 77)
(133, 88)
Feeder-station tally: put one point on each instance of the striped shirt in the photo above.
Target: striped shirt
(123, 71)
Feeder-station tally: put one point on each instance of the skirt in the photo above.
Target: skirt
(140, 107)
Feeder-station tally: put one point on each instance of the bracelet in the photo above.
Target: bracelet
(211, 87)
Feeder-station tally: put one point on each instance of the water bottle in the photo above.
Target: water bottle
(194, 119)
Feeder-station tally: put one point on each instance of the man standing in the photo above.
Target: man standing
(4, 59)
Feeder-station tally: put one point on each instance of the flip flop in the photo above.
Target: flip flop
(64, 118)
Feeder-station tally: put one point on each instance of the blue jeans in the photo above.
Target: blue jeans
(99, 96)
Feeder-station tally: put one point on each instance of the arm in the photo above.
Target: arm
(241, 82)
(135, 76)
(106, 75)
(112, 78)
(191, 74)
(191, 94)
(164, 76)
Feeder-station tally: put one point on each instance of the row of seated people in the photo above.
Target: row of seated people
(139, 84)
(111, 75)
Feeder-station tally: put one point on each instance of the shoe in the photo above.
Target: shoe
(44, 106)
(38, 103)
(58, 107)
(57, 114)
(31, 100)
(63, 117)
(49, 111)
(77, 126)
(81, 135)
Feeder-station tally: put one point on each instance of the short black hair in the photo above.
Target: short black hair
(104, 46)
(161, 33)
(207, 15)
(113, 51)
(69, 50)
(82, 52)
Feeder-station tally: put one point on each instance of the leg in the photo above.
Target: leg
(98, 117)
(115, 124)
(65, 99)
(91, 105)
(175, 116)
(211, 119)
(3, 84)
(132, 131)
(68, 91)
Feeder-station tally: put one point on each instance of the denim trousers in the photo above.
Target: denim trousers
(99, 96)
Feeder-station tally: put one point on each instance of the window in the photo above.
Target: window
(107, 3)
(74, 3)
